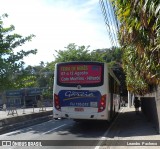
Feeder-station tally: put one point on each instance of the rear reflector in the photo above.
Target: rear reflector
(102, 103)
(57, 102)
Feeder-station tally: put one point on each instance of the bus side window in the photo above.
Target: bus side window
(111, 84)
(116, 87)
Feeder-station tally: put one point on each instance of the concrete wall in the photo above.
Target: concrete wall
(158, 104)
(149, 108)
(150, 105)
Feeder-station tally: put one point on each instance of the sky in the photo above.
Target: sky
(56, 23)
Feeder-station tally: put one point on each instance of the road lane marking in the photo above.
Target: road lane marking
(25, 128)
(53, 129)
(106, 133)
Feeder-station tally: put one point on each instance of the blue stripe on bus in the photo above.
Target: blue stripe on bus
(79, 98)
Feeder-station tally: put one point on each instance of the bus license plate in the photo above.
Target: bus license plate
(79, 109)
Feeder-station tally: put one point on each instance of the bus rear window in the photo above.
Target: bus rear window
(73, 74)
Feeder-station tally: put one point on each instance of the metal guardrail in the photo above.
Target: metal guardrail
(12, 111)
(42, 108)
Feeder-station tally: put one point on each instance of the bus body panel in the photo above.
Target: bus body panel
(82, 102)
(87, 112)
(79, 98)
(72, 114)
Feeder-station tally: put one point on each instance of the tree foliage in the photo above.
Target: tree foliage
(76, 53)
(139, 36)
(82, 53)
(11, 63)
(41, 74)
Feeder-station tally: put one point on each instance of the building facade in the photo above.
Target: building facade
(27, 97)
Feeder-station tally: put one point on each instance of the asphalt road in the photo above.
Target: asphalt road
(58, 131)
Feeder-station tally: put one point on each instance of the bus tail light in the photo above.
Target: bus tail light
(57, 102)
(102, 103)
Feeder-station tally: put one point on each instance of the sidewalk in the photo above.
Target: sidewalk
(13, 119)
(131, 131)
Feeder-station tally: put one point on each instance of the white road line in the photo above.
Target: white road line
(42, 123)
(26, 128)
(106, 133)
(9, 133)
(53, 129)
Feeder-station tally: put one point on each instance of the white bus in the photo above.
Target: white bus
(85, 91)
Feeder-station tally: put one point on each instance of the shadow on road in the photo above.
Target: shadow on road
(127, 124)
(130, 124)
(89, 129)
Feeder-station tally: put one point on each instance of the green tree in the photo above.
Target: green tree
(139, 36)
(11, 63)
(112, 55)
(39, 75)
(73, 53)
(43, 75)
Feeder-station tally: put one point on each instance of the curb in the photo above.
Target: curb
(14, 123)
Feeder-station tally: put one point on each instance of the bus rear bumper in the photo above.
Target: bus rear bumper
(88, 116)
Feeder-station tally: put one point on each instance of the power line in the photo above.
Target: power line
(106, 20)
(112, 16)
(110, 21)
(115, 18)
